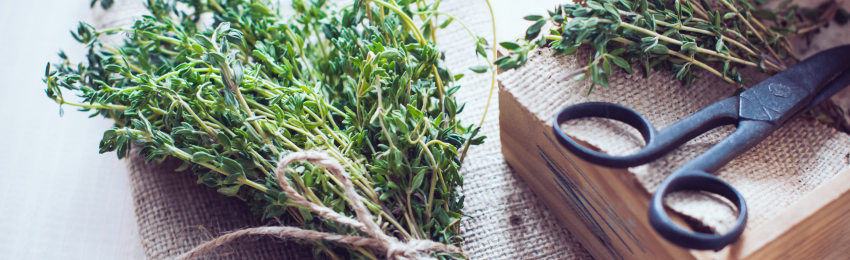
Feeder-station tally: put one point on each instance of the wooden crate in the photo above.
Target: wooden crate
(606, 208)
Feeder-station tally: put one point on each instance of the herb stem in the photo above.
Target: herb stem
(92, 105)
(263, 161)
(215, 121)
(703, 65)
(308, 192)
(119, 53)
(187, 157)
(441, 91)
(689, 59)
(409, 215)
(750, 26)
(404, 17)
(365, 253)
(287, 142)
(324, 125)
(409, 220)
(698, 8)
(677, 42)
(691, 29)
(437, 175)
(195, 116)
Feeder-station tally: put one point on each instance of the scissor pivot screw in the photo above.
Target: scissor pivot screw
(779, 90)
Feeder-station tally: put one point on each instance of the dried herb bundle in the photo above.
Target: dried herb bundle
(362, 82)
(680, 36)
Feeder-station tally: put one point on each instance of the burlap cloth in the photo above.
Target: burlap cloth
(780, 170)
(503, 217)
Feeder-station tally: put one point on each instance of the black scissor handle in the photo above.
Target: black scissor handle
(692, 175)
(610, 111)
(657, 143)
(697, 181)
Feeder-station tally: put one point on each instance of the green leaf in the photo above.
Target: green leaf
(534, 30)
(479, 69)
(446, 23)
(223, 139)
(689, 48)
(204, 42)
(202, 157)
(765, 14)
(441, 216)
(414, 112)
(660, 49)
(389, 54)
(717, 18)
(533, 17)
(509, 45)
(222, 27)
(417, 180)
(595, 5)
(238, 73)
(606, 66)
(183, 167)
(231, 166)
(229, 191)
(617, 52)
(622, 63)
(479, 50)
(594, 74)
(650, 22)
(611, 9)
(214, 58)
(113, 68)
(305, 213)
(720, 47)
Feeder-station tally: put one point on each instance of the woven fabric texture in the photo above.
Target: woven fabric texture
(503, 217)
(175, 214)
(771, 176)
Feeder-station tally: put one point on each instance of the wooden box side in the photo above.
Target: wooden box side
(605, 208)
(815, 227)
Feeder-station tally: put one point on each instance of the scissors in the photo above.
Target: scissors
(756, 112)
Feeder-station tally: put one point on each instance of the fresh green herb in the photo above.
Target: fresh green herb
(680, 36)
(362, 82)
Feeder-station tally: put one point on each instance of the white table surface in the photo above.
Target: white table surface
(59, 198)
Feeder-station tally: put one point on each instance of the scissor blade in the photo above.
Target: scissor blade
(792, 90)
(817, 71)
(839, 83)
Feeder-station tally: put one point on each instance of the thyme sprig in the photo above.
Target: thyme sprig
(364, 82)
(680, 36)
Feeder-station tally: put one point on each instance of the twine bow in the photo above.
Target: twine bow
(394, 249)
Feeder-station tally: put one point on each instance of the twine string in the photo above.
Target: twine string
(394, 249)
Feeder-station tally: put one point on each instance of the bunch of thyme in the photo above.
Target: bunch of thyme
(680, 36)
(363, 83)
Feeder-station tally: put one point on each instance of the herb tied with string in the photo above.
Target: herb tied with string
(362, 83)
(680, 36)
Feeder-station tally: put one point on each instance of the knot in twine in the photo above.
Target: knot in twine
(413, 249)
